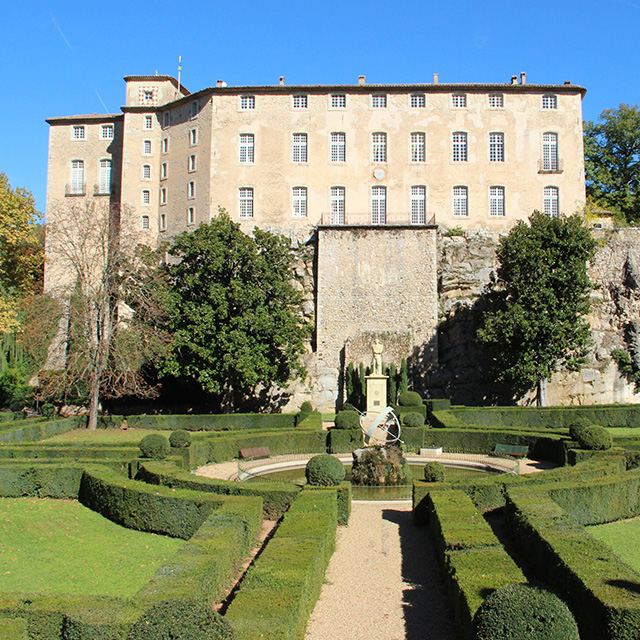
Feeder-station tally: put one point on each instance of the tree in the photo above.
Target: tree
(533, 322)
(612, 160)
(112, 288)
(235, 314)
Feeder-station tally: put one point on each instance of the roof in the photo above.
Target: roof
(95, 117)
(171, 79)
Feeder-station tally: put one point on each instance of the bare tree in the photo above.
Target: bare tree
(110, 284)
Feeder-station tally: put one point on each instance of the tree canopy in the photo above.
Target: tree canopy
(533, 322)
(235, 315)
(612, 160)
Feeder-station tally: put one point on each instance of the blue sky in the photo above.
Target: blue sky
(68, 58)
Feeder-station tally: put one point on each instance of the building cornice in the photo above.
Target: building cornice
(93, 118)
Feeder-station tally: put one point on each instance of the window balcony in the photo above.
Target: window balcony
(103, 190)
(551, 165)
(75, 190)
(387, 219)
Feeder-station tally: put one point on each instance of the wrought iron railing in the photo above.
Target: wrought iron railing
(387, 219)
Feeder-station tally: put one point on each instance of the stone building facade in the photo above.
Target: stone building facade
(362, 175)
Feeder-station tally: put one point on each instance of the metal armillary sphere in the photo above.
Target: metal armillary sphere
(384, 429)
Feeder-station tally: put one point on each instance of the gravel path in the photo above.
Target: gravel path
(383, 581)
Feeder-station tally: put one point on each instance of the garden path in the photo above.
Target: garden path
(383, 581)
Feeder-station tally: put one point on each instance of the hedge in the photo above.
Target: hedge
(206, 422)
(601, 591)
(44, 481)
(276, 496)
(280, 590)
(343, 495)
(174, 512)
(36, 429)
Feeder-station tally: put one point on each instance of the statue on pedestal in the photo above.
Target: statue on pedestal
(377, 357)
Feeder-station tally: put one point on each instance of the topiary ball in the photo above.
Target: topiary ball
(521, 611)
(595, 438)
(184, 619)
(324, 471)
(434, 472)
(578, 425)
(306, 407)
(413, 419)
(410, 399)
(347, 420)
(180, 439)
(154, 446)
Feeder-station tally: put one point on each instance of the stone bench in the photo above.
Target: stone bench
(512, 450)
(251, 453)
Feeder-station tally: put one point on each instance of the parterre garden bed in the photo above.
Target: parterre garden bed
(218, 521)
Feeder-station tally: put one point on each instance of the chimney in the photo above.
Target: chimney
(220, 83)
(523, 77)
(362, 79)
(567, 81)
(514, 79)
(436, 78)
(281, 81)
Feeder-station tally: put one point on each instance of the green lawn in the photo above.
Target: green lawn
(624, 432)
(59, 546)
(623, 537)
(103, 436)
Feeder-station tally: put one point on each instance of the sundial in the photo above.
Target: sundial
(380, 428)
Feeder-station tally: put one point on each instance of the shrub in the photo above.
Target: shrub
(524, 611)
(434, 471)
(325, 471)
(48, 410)
(306, 407)
(413, 419)
(595, 438)
(410, 399)
(180, 439)
(184, 619)
(347, 406)
(347, 420)
(577, 426)
(154, 446)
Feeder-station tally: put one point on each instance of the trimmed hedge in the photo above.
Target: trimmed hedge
(154, 446)
(595, 438)
(207, 422)
(324, 470)
(281, 588)
(180, 439)
(410, 399)
(347, 420)
(413, 419)
(42, 481)
(35, 429)
(276, 496)
(343, 495)
(434, 471)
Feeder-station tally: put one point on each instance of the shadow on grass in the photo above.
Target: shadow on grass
(427, 615)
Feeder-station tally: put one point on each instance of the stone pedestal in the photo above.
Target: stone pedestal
(376, 393)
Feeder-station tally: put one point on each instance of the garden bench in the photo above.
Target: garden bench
(255, 452)
(513, 450)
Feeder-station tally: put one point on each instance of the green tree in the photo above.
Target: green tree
(235, 315)
(612, 160)
(533, 322)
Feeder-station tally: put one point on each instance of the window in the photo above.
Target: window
(496, 147)
(496, 201)
(459, 146)
(77, 177)
(79, 132)
(460, 201)
(299, 102)
(418, 153)
(550, 101)
(167, 119)
(192, 163)
(146, 172)
(247, 102)
(338, 145)
(379, 101)
(246, 147)
(163, 171)
(191, 189)
(418, 205)
(146, 147)
(106, 132)
(165, 145)
(551, 197)
(147, 95)
(148, 124)
(299, 202)
(378, 205)
(337, 205)
(299, 147)
(105, 176)
(246, 202)
(549, 151)
(146, 197)
(459, 100)
(163, 222)
(379, 147)
(418, 100)
(193, 137)
(338, 101)
(195, 107)
(496, 101)
(145, 222)
(191, 215)
(163, 196)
